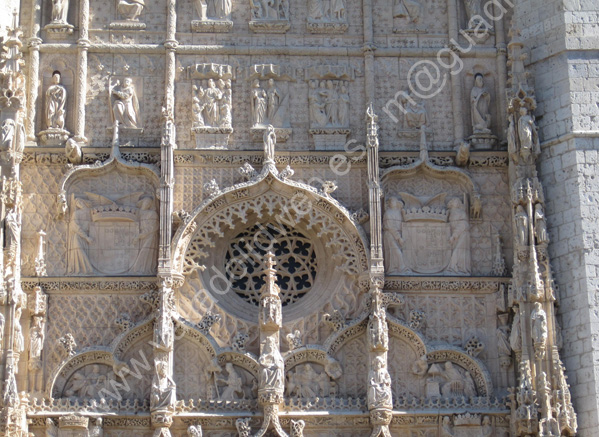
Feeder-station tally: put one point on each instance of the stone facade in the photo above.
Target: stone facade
(320, 218)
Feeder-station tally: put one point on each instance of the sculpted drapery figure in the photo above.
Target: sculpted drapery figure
(258, 103)
(460, 237)
(56, 98)
(211, 103)
(379, 387)
(60, 8)
(163, 387)
(326, 11)
(392, 237)
(539, 325)
(329, 103)
(540, 225)
(36, 337)
(148, 237)
(131, 9)
(317, 114)
(274, 98)
(125, 105)
(527, 133)
(79, 239)
(272, 366)
(234, 385)
(215, 9)
(410, 9)
(522, 226)
(270, 140)
(479, 106)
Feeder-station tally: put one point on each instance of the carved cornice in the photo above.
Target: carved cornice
(467, 285)
(99, 285)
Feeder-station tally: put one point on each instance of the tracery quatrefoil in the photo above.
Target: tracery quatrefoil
(294, 253)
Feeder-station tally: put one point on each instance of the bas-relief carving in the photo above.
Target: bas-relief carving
(326, 16)
(112, 236)
(407, 16)
(269, 16)
(428, 236)
(215, 16)
(329, 104)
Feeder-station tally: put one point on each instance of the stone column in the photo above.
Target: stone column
(81, 81)
(374, 192)
(33, 44)
(457, 92)
(368, 49)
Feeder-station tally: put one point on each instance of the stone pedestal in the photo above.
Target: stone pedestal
(326, 27)
(212, 137)
(127, 25)
(54, 137)
(269, 26)
(211, 26)
(329, 139)
(59, 29)
(482, 141)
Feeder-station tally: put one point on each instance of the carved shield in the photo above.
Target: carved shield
(426, 248)
(115, 249)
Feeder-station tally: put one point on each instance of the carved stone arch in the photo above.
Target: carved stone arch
(121, 344)
(272, 206)
(246, 361)
(399, 330)
(313, 354)
(478, 371)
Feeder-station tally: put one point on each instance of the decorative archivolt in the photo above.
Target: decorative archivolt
(271, 198)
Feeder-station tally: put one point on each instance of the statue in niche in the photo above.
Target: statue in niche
(233, 385)
(460, 237)
(131, 9)
(377, 329)
(392, 237)
(272, 366)
(515, 335)
(457, 383)
(270, 141)
(479, 106)
(329, 104)
(326, 11)
(527, 133)
(60, 8)
(36, 337)
(148, 236)
(218, 9)
(258, 104)
(79, 239)
(410, 9)
(270, 9)
(504, 349)
(521, 219)
(379, 387)
(56, 98)
(273, 97)
(125, 105)
(539, 325)
(474, 12)
(163, 387)
(540, 225)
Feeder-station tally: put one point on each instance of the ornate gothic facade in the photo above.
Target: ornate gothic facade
(283, 218)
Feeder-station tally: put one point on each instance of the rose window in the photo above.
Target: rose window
(294, 254)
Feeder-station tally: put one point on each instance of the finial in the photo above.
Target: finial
(270, 261)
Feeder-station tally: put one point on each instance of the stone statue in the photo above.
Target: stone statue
(504, 349)
(516, 334)
(60, 8)
(131, 9)
(331, 103)
(234, 385)
(79, 239)
(479, 106)
(527, 133)
(56, 97)
(521, 219)
(410, 9)
(304, 382)
(270, 140)
(343, 111)
(124, 104)
(318, 117)
(392, 237)
(273, 98)
(446, 428)
(377, 329)
(36, 337)
(163, 387)
(272, 366)
(474, 12)
(194, 430)
(258, 104)
(539, 325)
(420, 366)
(148, 237)
(379, 387)
(460, 238)
(90, 384)
(294, 339)
(540, 225)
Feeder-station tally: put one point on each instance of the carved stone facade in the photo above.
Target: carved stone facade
(258, 218)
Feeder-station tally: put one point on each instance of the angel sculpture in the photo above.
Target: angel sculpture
(194, 431)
